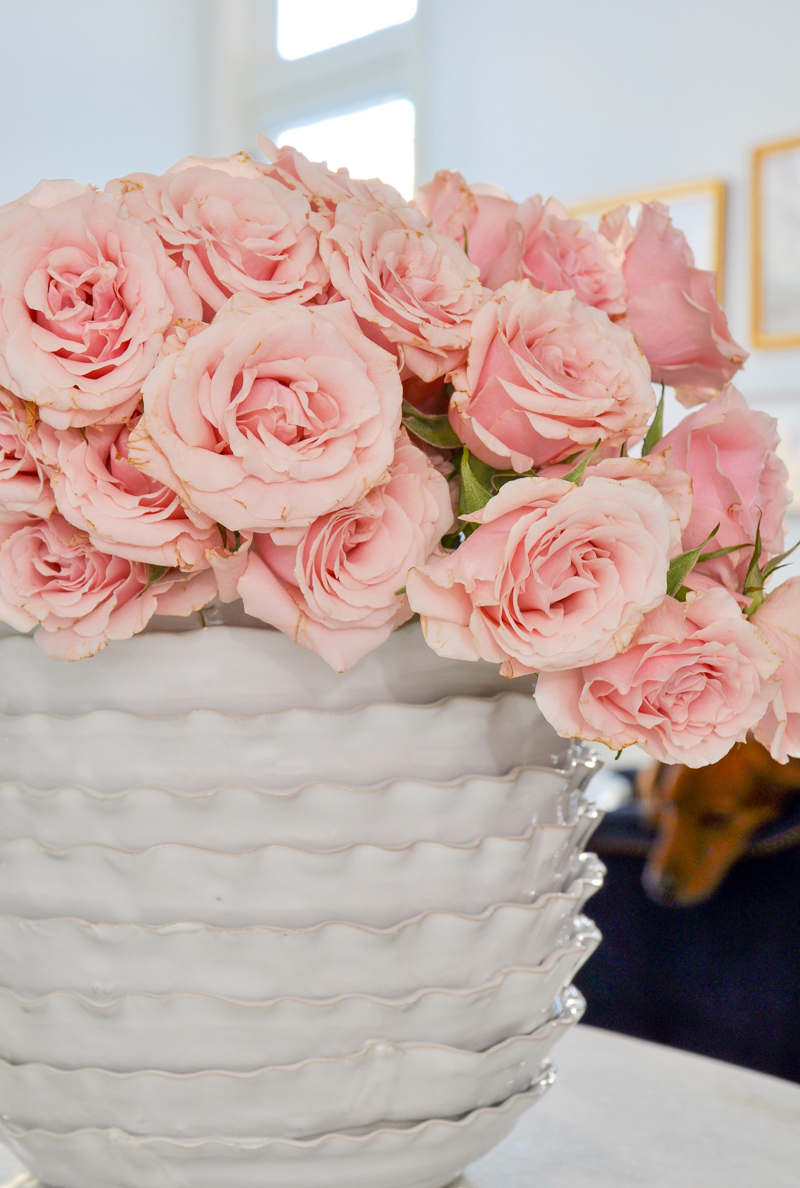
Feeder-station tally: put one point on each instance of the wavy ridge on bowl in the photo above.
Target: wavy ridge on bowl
(109, 750)
(427, 1155)
(315, 815)
(185, 1033)
(259, 961)
(284, 886)
(380, 1083)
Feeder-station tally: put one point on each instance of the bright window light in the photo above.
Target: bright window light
(375, 142)
(308, 26)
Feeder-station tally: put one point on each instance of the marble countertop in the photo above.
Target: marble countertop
(628, 1113)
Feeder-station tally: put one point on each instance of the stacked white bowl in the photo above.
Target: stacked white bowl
(267, 926)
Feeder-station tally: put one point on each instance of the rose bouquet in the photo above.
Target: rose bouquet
(272, 383)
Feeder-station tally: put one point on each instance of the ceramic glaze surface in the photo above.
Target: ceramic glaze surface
(381, 1082)
(444, 949)
(186, 1033)
(427, 1155)
(248, 905)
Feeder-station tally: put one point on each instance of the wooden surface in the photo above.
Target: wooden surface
(628, 1113)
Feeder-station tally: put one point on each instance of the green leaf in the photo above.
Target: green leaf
(680, 567)
(754, 579)
(155, 572)
(576, 474)
(501, 477)
(722, 552)
(476, 484)
(402, 590)
(656, 430)
(777, 562)
(436, 431)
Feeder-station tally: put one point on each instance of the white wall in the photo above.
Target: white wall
(581, 99)
(94, 88)
(578, 98)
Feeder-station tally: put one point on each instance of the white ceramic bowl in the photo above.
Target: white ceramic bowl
(186, 1033)
(380, 1083)
(109, 750)
(428, 1155)
(316, 816)
(437, 948)
(236, 670)
(286, 887)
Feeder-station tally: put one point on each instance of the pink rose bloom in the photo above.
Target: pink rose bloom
(563, 253)
(778, 619)
(231, 229)
(481, 218)
(673, 312)
(696, 677)
(24, 485)
(413, 290)
(52, 578)
(547, 375)
(272, 416)
(555, 576)
(86, 297)
(659, 470)
(338, 586)
(321, 186)
(122, 510)
(729, 452)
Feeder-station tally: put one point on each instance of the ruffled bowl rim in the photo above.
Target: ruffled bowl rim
(583, 934)
(542, 1082)
(572, 1002)
(594, 877)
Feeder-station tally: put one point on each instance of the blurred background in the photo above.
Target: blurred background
(697, 101)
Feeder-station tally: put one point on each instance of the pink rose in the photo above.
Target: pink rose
(545, 375)
(323, 187)
(696, 677)
(659, 470)
(481, 218)
(86, 297)
(338, 586)
(122, 510)
(52, 578)
(563, 253)
(272, 416)
(673, 312)
(728, 450)
(24, 485)
(231, 229)
(413, 290)
(555, 576)
(778, 619)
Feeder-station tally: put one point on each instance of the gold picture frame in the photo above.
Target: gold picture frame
(703, 200)
(775, 244)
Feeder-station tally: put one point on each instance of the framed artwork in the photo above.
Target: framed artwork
(698, 208)
(775, 243)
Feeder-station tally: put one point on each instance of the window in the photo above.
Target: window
(345, 88)
(309, 26)
(377, 141)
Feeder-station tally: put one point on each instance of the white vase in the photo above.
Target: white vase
(264, 924)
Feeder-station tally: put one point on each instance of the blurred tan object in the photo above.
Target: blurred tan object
(697, 208)
(705, 818)
(775, 244)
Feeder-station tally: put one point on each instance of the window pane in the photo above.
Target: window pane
(376, 142)
(308, 26)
